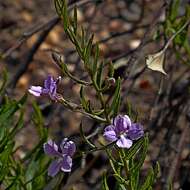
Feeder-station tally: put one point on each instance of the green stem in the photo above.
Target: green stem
(126, 166)
(76, 108)
(101, 98)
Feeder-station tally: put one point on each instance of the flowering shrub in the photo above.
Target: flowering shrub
(123, 135)
(116, 134)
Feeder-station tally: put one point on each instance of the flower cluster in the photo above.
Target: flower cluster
(49, 88)
(63, 154)
(123, 131)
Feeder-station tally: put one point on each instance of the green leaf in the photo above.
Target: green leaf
(70, 75)
(14, 183)
(95, 64)
(174, 7)
(104, 182)
(169, 185)
(120, 179)
(122, 187)
(39, 122)
(82, 99)
(5, 160)
(75, 21)
(61, 9)
(134, 180)
(149, 180)
(156, 170)
(2, 87)
(181, 38)
(111, 69)
(134, 149)
(18, 126)
(88, 50)
(117, 106)
(133, 175)
(83, 40)
(187, 46)
(84, 137)
(99, 75)
(142, 153)
(75, 41)
(9, 109)
(129, 108)
(116, 98)
(65, 16)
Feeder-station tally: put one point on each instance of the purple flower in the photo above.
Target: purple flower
(64, 156)
(123, 131)
(50, 88)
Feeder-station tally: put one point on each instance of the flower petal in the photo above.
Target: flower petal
(68, 147)
(110, 128)
(135, 132)
(51, 149)
(124, 142)
(66, 164)
(54, 167)
(110, 134)
(122, 123)
(50, 87)
(48, 82)
(35, 90)
(53, 91)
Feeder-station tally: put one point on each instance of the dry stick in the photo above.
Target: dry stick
(27, 35)
(119, 34)
(24, 66)
(50, 25)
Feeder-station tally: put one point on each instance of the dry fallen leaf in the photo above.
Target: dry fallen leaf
(155, 62)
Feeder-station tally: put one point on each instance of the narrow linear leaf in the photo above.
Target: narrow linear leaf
(111, 69)
(143, 154)
(99, 75)
(88, 50)
(134, 149)
(2, 88)
(75, 21)
(9, 109)
(148, 181)
(116, 97)
(174, 8)
(18, 125)
(84, 137)
(104, 182)
(39, 121)
(95, 64)
(82, 99)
